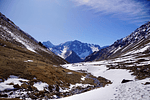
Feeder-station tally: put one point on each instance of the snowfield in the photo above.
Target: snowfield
(133, 90)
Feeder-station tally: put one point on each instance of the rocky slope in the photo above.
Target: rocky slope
(137, 42)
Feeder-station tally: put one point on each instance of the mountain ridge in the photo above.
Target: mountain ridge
(122, 45)
(81, 49)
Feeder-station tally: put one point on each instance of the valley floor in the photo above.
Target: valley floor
(133, 90)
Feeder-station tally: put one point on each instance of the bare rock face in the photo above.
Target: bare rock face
(72, 57)
(125, 81)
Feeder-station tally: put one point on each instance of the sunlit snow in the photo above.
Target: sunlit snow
(115, 91)
(12, 79)
(40, 85)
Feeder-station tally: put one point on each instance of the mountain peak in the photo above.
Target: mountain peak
(48, 44)
(72, 57)
(77, 41)
(81, 49)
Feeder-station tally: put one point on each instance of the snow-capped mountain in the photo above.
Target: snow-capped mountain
(81, 49)
(137, 42)
(48, 44)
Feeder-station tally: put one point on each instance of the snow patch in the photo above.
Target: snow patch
(94, 48)
(73, 86)
(29, 61)
(63, 52)
(83, 78)
(69, 73)
(12, 79)
(40, 85)
(117, 49)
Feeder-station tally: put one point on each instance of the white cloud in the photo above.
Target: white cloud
(122, 9)
(86, 1)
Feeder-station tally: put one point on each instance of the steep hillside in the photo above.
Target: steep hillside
(137, 42)
(28, 70)
(81, 49)
(13, 34)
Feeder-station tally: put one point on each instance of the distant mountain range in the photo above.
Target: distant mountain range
(72, 51)
(135, 43)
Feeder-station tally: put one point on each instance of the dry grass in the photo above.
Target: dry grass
(12, 62)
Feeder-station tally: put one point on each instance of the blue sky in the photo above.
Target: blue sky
(99, 22)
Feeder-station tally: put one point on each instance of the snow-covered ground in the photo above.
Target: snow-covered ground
(133, 90)
(13, 92)
(74, 87)
(6, 85)
(12, 79)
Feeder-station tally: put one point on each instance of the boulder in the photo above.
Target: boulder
(125, 81)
